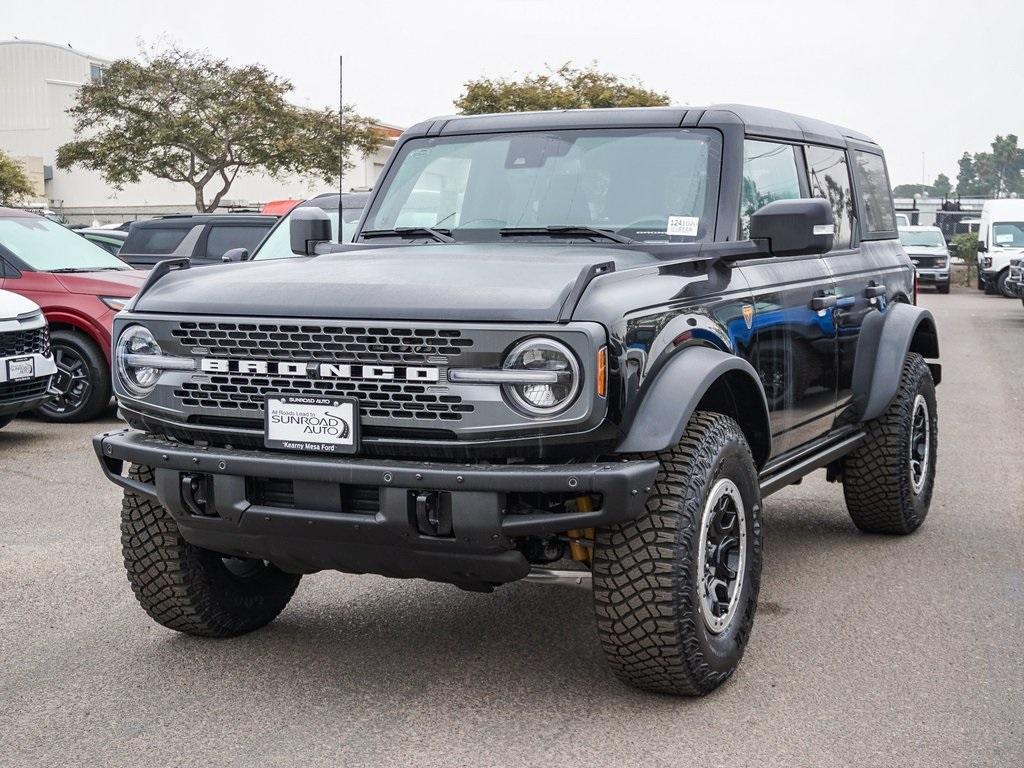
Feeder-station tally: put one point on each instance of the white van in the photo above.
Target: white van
(1000, 238)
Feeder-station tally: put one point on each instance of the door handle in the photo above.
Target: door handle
(874, 291)
(819, 303)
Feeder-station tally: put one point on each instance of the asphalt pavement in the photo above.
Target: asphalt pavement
(866, 650)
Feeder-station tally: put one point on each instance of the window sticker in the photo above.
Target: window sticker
(999, 238)
(682, 225)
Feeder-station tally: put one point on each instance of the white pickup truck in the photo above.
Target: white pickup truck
(26, 363)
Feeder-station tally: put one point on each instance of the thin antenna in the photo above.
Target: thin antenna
(341, 143)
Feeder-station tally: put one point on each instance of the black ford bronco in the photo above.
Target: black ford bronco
(567, 346)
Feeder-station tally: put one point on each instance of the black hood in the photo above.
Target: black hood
(472, 282)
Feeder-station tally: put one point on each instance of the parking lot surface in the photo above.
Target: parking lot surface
(866, 650)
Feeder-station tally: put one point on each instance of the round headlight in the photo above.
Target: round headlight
(558, 376)
(136, 340)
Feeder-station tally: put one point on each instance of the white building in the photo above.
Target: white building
(38, 82)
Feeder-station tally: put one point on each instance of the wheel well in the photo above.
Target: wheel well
(925, 341)
(737, 395)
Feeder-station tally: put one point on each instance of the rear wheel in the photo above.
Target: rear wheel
(888, 479)
(82, 381)
(675, 590)
(190, 589)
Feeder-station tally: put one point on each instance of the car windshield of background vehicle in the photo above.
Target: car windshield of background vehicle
(925, 238)
(278, 243)
(1008, 234)
(648, 185)
(48, 247)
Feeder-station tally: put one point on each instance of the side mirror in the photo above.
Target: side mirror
(953, 249)
(235, 254)
(794, 227)
(982, 248)
(308, 227)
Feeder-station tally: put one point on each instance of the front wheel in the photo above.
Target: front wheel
(1002, 286)
(190, 589)
(81, 385)
(675, 590)
(888, 479)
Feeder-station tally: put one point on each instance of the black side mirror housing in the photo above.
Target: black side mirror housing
(308, 227)
(794, 227)
(235, 254)
(982, 248)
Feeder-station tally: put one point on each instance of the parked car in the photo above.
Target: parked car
(929, 253)
(902, 220)
(80, 288)
(204, 238)
(1000, 238)
(279, 207)
(276, 245)
(593, 338)
(1015, 280)
(110, 240)
(26, 361)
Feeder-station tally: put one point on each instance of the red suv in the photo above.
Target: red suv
(80, 287)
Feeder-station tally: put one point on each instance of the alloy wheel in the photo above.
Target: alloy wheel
(721, 556)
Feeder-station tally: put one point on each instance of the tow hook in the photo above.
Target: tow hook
(433, 512)
(195, 493)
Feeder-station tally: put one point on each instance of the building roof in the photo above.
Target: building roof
(756, 120)
(66, 48)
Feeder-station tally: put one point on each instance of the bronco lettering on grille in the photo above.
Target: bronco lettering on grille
(320, 370)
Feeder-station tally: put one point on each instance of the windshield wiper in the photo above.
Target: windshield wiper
(567, 229)
(440, 235)
(87, 269)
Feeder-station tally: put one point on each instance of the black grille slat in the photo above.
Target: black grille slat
(272, 492)
(11, 391)
(34, 341)
(321, 342)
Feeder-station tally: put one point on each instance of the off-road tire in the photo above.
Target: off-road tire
(98, 398)
(187, 588)
(880, 495)
(646, 597)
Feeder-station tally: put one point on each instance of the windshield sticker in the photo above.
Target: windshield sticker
(1000, 238)
(682, 225)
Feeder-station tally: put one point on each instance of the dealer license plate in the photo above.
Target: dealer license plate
(21, 368)
(320, 424)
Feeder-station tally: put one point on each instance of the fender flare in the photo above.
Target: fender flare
(669, 397)
(885, 340)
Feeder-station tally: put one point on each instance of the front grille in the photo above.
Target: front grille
(343, 343)
(929, 262)
(12, 391)
(34, 341)
(242, 394)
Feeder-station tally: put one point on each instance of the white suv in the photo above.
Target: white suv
(26, 363)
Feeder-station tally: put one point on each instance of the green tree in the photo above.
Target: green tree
(965, 246)
(909, 190)
(942, 186)
(14, 184)
(191, 118)
(998, 173)
(567, 87)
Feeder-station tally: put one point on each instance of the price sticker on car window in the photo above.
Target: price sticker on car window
(685, 226)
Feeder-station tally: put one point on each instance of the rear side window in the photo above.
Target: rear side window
(769, 174)
(223, 238)
(830, 179)
(875, 195)
(155, 239)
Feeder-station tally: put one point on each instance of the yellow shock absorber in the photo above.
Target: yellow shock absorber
(577, 551)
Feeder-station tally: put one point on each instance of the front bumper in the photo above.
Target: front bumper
(313, 530)
(933, 275)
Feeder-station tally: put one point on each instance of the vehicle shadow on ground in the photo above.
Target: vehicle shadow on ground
(346, 634)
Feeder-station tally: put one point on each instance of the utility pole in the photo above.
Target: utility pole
(341, 143)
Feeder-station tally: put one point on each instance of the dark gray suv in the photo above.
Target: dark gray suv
(564, 346)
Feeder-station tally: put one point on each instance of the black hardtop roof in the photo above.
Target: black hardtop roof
(193, 219)
(757, 121)
(329, 201)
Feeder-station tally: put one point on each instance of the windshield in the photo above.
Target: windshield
(655, 184)
(1008, 234)
(278, 245)
(930, 238)
(46, 247)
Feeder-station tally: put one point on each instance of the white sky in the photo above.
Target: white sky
(935, 77)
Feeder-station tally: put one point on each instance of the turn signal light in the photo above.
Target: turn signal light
(602, 372)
